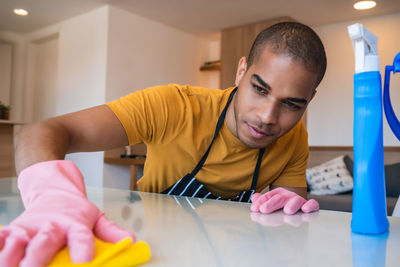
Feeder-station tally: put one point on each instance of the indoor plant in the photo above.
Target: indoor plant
(4, 111)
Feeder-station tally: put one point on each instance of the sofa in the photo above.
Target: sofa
(327, 159)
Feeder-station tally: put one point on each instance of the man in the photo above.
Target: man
(220, 144)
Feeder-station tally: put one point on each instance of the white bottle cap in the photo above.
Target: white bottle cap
(365, 45)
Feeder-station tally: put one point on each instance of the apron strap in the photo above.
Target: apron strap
(257, 169)
(217, 128)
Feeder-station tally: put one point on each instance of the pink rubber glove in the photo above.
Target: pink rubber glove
(281, 198)
(57, 213)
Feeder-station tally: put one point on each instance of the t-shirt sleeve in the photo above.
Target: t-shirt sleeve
(294, 173)
(151, 114)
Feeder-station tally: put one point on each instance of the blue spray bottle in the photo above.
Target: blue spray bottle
(369, 197)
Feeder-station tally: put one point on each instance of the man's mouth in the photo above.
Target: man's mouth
(258, 133)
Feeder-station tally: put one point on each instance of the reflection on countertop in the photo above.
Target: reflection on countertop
(184, 231)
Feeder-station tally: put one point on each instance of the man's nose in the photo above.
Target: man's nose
(269, 112)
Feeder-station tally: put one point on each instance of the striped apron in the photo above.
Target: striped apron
(189, 186)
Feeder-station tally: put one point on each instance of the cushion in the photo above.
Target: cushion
(392, 176)
(329, 178)
(349, 164)
(396, 211)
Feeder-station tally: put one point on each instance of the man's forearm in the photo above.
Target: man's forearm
(41, 141)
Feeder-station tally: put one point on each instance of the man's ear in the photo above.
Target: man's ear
(313, 94)
(241, 70)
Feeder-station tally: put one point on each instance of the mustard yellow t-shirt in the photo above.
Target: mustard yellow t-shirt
(177, 124)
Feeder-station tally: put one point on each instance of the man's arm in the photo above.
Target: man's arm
(92, 129)
(57, 211)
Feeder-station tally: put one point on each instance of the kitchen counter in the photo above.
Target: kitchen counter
(184, 231)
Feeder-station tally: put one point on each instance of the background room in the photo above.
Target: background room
(69, 55)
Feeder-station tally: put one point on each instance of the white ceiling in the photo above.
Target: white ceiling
(201, 17)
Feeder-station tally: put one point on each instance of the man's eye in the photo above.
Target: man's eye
(259, 89)
(292, 105)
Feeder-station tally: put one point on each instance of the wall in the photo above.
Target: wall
(5, 71)
(143, 53)
(97, 57)
(82, 61)
(41, 73)
(18, 72)
(42, 78)
(330, 114)
(80, 75)
(214, 54)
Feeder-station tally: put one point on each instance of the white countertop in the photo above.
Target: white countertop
(184, 231)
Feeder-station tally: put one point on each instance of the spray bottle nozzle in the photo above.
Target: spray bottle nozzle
(365, 48)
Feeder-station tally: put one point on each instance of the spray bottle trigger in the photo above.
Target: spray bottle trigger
(396, 63)
(391, 117)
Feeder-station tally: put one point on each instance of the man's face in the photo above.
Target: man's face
(271, 98)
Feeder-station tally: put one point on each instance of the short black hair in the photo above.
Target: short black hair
(295, 39)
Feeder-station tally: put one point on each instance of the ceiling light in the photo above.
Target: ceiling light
(21, 12)
(362, 5)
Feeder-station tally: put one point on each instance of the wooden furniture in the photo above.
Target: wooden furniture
(321, 154)
(7, 167)
(211, 65)
(134, 163)
(236, 43)
(114, 157)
